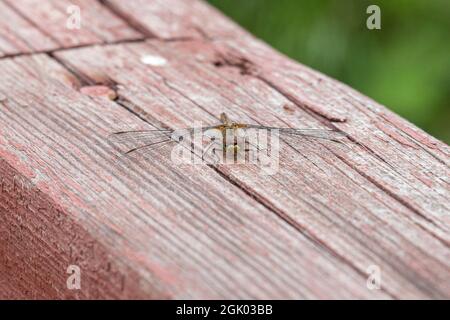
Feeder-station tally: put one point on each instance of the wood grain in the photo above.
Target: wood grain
(364, 224)
(174, 19)
(147, 228)
(17, 35)
(98, 24)
(187, 232)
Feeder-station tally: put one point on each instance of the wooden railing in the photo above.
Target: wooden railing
(370, 220)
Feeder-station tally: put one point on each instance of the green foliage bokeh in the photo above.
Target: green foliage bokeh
(405, 65)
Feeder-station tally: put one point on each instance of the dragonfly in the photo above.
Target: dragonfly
(225, 136)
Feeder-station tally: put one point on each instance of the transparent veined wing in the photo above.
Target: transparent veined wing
(315, 133)
(304, 140)
(132, 141)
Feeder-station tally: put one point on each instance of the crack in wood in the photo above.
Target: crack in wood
(128, 20)
(52, 52)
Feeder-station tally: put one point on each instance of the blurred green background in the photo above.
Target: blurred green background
(405, 65)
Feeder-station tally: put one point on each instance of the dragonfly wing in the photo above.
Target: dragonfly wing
(139, 136)
(131, 141)
(326, 134)
(142, 140)
(305, 140)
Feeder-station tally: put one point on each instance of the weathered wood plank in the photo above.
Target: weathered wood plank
(165, 230)
(174, 19)
(320, 192)
(17, 35)
(159, 230)
(97, 23)
(420, 185)
(39, 241)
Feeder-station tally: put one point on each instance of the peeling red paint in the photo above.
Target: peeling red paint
(99, 91)
(413, 133)
(394, 135)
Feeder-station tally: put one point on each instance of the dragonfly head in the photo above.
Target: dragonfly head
(224, 119)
